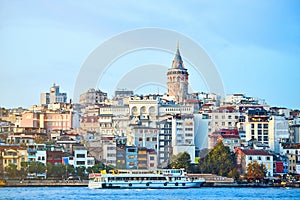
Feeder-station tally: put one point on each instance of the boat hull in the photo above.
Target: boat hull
(145, 185)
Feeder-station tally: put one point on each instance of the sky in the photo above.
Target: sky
(254, 44)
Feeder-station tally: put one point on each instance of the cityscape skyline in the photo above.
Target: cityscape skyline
(254, 47)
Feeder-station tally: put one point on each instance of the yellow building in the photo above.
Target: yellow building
(12, 155)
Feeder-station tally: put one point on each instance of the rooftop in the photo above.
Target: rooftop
(254, 152)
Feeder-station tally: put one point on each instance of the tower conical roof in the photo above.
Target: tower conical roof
(177, 62)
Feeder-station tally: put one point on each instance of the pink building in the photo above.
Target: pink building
(47, 120)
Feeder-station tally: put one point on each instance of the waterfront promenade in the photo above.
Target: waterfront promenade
(45, 183)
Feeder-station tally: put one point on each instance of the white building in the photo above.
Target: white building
(246, 156)
(278, 132)
(145, 137)
(109, 150)
(81, 158)
(183, 135)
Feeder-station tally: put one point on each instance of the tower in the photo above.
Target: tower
(178, 78)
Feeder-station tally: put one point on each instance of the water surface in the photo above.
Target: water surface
(83, 193)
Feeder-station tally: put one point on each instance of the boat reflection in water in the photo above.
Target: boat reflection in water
(143, 179)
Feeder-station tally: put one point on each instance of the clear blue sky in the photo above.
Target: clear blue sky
(255, 44)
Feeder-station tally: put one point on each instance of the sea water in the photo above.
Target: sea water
(83, 193)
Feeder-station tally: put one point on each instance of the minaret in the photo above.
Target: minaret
(178, 79)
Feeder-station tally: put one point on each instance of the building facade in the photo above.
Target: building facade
(54, 96)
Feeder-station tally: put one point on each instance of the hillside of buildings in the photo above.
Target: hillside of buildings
(132, 131)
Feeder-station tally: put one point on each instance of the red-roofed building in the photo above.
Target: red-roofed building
(245, 156)
(229, 137)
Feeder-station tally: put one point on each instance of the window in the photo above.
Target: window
(154, 139)
(229, 117)
(259, 125)
(266, 126)
(147, 139)
(259, 138)
(80, 162)
(80, 156)
(140, 139)
(131, 150)
(259, 132)
(250, 158)
(90, 162)
(268, 158)
(259, 158)
(252, 125)
(151, 157)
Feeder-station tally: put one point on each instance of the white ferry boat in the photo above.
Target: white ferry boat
(143, 179)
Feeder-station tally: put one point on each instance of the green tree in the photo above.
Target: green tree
(23, 172)
(218, 161)
(80, 171)
(182, 160)
(96, 168)
(56, 171)
(50, 169)
(256, 171)
(11, 171)
(36, 167)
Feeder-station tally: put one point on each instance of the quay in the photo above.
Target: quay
(44, 183)
(211, 181)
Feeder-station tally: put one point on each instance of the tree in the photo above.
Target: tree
(23, 172)
(36, 167)
(56, 171)
(11, 170)
(80, 171)
(234, 173)
(182, 160)
(256, 171)
(218, 161)
(96, 168)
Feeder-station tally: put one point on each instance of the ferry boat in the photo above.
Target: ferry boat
(143, 179)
